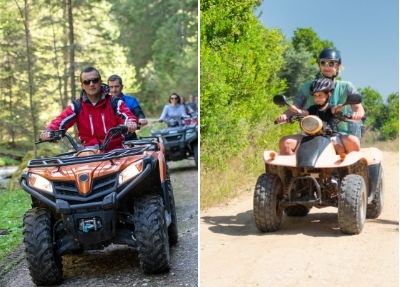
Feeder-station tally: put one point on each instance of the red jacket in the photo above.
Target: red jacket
(93, 121)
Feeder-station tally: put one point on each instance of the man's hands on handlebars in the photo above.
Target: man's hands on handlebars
(132, 126)
(45, 136)
(292, 110)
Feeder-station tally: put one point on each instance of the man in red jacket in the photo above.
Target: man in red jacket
(94, 113)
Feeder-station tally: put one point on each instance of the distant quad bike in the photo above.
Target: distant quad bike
(87, 199)
(316, 176)
(180, 139)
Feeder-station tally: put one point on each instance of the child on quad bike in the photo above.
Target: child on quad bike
(322, 90)
(329, 64)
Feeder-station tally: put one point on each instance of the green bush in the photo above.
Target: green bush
(6, 161)
(13, 204)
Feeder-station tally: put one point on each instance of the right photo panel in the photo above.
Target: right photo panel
(299, 154)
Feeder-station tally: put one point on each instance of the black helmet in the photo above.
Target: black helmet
(322, 84)
(330, 54)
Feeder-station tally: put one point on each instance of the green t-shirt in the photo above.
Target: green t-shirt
(305, 99)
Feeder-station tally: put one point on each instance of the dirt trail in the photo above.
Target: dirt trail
(309, 251)
(119, 265)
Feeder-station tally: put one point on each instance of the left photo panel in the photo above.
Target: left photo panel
(99, 143)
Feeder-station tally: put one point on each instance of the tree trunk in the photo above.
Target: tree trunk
(65, 55)
(25, 17)
(71, 49)
(57, 67)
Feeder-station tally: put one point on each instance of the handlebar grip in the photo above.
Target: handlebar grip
(123, 129)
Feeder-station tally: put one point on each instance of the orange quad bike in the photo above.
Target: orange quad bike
(315, 176)
(86, 199)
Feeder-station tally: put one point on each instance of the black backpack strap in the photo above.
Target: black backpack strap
(77, 106)
(114, 103)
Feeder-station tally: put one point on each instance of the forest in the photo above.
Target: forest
(44, 45)
(243, 65)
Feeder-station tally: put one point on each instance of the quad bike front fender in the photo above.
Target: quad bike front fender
(328, 159)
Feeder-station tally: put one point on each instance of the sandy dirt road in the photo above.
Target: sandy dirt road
(119, 265)
(309, 251)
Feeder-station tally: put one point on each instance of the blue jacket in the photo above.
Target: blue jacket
(133, 104)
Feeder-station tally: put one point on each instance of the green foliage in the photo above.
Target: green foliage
(381, 117)
(299, 68)
(13, 204)
(5, 161)
(375, 109)
(161, 39)
(390, 128)
(306, 38)
(241, 61)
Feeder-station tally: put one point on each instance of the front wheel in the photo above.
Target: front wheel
(45, 267)
(267, 193)
(151, 234)
(352, 205)
(173, 227)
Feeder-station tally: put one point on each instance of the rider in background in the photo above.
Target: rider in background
(191, 106)
(321, 90)
(174, 111)
(329, 62)
(116, 86)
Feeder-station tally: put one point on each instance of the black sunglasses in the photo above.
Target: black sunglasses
(173, 98)
(94, 81)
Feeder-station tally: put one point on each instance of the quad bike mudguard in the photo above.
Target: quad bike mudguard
(327, 158)
(310, 149)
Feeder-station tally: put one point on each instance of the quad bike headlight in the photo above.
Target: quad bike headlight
(311, 125)
(40, 182)
(130, 172)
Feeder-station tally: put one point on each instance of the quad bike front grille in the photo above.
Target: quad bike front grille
(65, 188)
(99, 185)
(104, 184)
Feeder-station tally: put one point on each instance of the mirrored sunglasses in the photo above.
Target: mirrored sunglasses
(330, 63)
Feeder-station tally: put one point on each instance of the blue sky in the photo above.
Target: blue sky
(365, 31)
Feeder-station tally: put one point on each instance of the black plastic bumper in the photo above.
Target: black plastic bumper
(108, 202)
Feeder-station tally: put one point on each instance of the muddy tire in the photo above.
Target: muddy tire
(267, 214)
(374, 209)
(196, 153)
(352, 205)
(151, 234)
(173, 227)
(45, 267)
(297, 211)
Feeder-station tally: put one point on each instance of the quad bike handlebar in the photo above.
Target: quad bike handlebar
(57, 135)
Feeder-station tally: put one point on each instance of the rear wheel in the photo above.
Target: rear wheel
(352, 205)
(374, 209)
(45, 267)
(151, 234)
(267, 213)
(297, 211)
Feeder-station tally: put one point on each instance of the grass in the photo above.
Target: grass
(371, 139)
(219, 185)
(13, 204)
